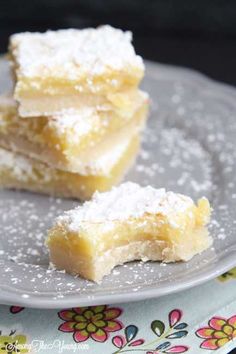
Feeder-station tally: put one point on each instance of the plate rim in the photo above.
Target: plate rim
(9, 298)
(228, 260)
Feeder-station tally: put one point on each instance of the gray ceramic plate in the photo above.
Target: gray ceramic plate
(190, 147)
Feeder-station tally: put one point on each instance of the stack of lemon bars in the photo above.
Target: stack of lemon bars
(73, 123)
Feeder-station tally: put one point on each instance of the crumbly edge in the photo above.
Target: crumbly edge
(157, 250)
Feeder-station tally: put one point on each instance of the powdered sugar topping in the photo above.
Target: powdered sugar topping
(89, 50)
(80, 121)
(127, 200)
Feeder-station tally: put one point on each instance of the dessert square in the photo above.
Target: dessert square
(78, 141)
(128, 223)
(23, 173)
(64, 69)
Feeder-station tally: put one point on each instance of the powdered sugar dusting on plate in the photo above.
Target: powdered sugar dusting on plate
(189, 147)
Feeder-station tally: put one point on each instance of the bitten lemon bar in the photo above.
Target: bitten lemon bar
(128, 223)
(57, 70)
(76, 141)
(20, 172)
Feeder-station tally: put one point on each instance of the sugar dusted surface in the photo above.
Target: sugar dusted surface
(79, 121)
(121, 203)
(92, 51)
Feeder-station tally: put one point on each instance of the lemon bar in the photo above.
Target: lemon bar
(20, 172)
(128, 223)
(76, 142)
(65, 69)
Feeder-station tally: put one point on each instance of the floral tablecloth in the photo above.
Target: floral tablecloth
(198, 320)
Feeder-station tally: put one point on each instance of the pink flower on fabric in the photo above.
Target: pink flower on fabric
(93, 322)
(16, 309)
(220, 332)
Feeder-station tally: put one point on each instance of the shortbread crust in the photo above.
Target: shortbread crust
(38, 105)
